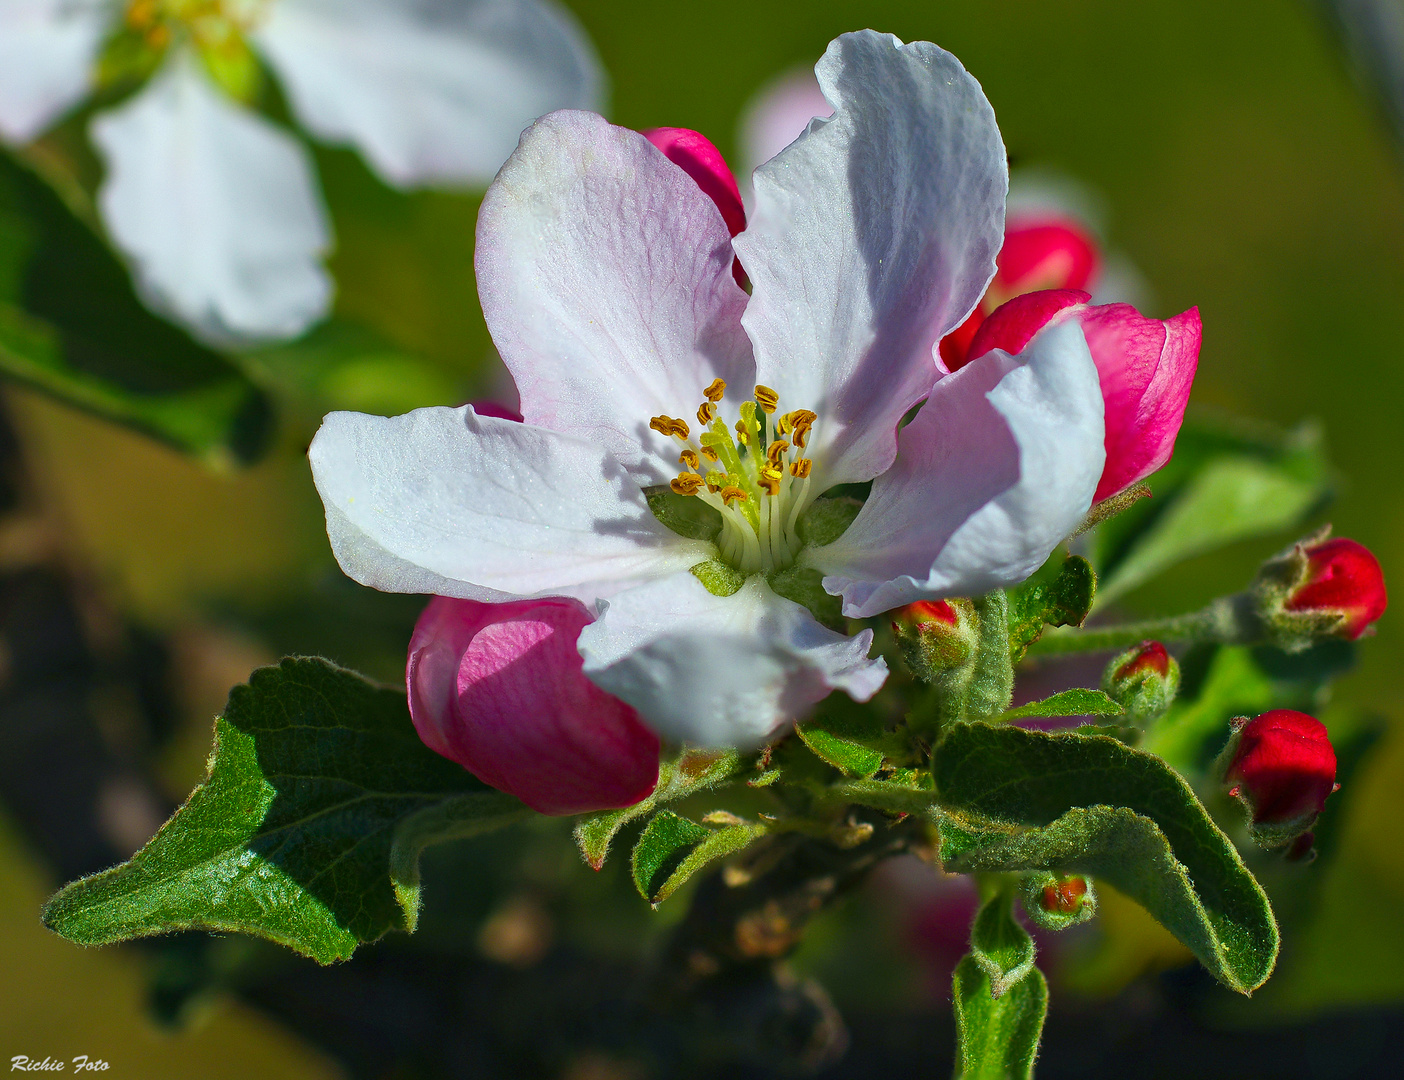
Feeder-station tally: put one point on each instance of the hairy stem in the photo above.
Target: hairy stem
(1229, 620)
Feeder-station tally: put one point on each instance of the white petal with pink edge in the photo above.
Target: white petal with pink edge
(722, 670)
(997, 469)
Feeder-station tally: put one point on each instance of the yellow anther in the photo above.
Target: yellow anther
(715, 390)
(800, 468)
(776, 450)
(709, 453)
(689, 458)
(731, 494)
(706, 412)
(716, 480)
(686, 484)
(770, 477)
(667, 425)
(741, 435)
(767, 398)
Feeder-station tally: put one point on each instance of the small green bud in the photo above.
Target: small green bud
(1144, 681)
(936, 636)
(1055, 902)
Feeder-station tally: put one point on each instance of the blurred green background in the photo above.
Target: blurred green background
(1241, 168)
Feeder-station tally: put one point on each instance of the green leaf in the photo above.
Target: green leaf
(718, 578)
(1001, 947)
(692, 771)
(1064, 599)
(686, 515)
(1077, 702)
(307, 830)
(72, 326)
(998, 1037)
(904, 791)
(1118, 814)
(661, 846)
(849, 739)
(717, 845)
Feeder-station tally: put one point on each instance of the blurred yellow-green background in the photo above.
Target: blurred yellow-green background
(1238, 161)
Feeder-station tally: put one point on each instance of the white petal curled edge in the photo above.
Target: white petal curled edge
(429, 91)
(217, 208)
(605, 278)
(997, 469)
(446, 501)
(874, 233)
(722, 670)
(47, 50)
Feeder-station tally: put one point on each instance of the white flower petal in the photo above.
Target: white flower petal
(995, 471)
(47, 49)
(721, 670)
(605, 278)
(873, 234)
(450, 502)
(217, 208)
(430, 91)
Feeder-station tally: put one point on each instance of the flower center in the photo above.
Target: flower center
(757, 479)
(212, 24)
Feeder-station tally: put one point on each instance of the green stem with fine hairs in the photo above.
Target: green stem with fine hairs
(1229, 620)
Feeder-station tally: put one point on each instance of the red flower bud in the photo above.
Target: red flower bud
(1143, 681)
(1282, 766)
(499, 688)
(1344, 578)
(1054, 902)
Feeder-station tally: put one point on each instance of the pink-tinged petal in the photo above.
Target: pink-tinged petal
(449, 502)
(873, 235)
(994, 472)
(499, 689)
(47, 49)
(778, 115)
(605, 277)
(695, 154)
(1147, 368)
(497, 409)
(722, 670)
(1041, 253)
(1013, 325)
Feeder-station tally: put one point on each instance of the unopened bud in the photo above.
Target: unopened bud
(1319, 588)
(1143, 681)
(1055, 902)
(1281, 766)
(936, 636)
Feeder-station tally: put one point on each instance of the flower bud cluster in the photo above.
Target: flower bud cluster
(1056, 901)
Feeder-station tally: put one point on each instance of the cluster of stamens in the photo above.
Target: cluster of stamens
(758, 480)
(212, 23)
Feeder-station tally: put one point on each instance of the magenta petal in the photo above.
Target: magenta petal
(499, 689)
(694, 153)
(1146, 367)
(1013, 325)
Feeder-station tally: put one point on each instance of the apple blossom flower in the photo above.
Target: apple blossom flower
(217, 207)
(1146, 368)
(498, 689)
(605, 276)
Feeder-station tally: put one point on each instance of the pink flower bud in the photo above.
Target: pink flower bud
(1342, 578)
(1041, 251)
(1146, 367)
(499, 689)
(695, 154)
(1282, 766)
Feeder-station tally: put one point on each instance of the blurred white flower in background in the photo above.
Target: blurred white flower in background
(217, 207)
